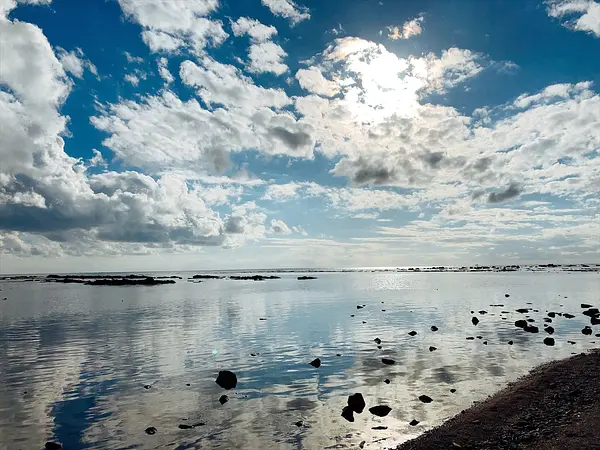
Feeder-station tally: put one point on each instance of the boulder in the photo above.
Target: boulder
(226, 379)
(425, 398)
(380, 410)
(549, 341)
(388, 361)
(356, 402)
(150, 430)
(316, 363)
(475, 320)
(348, 414)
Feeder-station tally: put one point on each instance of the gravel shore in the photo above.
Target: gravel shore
(555, 407)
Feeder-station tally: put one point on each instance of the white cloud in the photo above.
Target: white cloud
(409, 29)
(313, 81)
(133, 59)
(131, 79)
(75, 62)
(267, 57)
(281, 192)
(163, 70)
(288, 10)
(253, 28)
(581, 15)
(279, 227)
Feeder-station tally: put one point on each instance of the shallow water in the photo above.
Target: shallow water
(74, 359)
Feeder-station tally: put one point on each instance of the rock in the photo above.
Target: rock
(425, 399)
(470, 338)
(414, 423)
(479, 337)
(253, 354)
(183, 426)
(452, 390)
(552, 314)
(150, 430)
(507, 295)
(484, 342)
(356, 402)
(547, 320)
(510, 342)
(482, 312)
(595, 320)
(187, 384)
(348, 414)
(549, 341)
(52, 446)
(571, 342)
(412, 333)
(568, 316)
(585, 306)
(475, 320)
(521, 323)
(359, 307)
(147, 386)
(299, 423)
(226, 379)
(592, 312)
(549, 330)
(316, 363)
(530, 320)
(379, 347)
(351, 315)
(531, 329)
(383, 310)
(362, 444)
(254, 277)
(223, 399)
(387, 381)
(377, 340)
(388, 361)
(380, 410)
(523, 310)
(432, 349)
(338, 354)
(586, 330)
(434, 328)
(307, 278)
(379, 427)
(364, 321)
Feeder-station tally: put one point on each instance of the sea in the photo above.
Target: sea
(95, 367)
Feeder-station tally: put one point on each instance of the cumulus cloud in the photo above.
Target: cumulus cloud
(75, 62)
(279, 227)
(580, 15)
(513, 190)
(267, 57)
(132, 79)
(257, 31)
(312, 80)
(288, 10)
(410, 28)
(163, 70)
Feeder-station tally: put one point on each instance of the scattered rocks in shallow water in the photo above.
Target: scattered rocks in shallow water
(585, 306)
(379, 427)
(475, 320)
(425, 398)
(549, 341)
(521, 323)
(52, 446)
(510, 342)
(388, 361)
(432, 349)
(414, 423)
(316, 363)
(586, 330)
(568, 316)
(531, 329)
(359, 307)
(377, 340)
(452, 390)
(380, 410)
(387, 381)
(150, 430)
(412, 333)
(348, 414)
(549, 330)
(223, 399)
(226, 379)
(356, 402)
(434, 328)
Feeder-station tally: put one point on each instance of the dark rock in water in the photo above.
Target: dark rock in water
(206, 277)
(223, 399)
(597, 335)
(262, 318)
(499, 305)
(254, 277)
(338, 354)
(479, 337)
(388, 361)
(595, 320)
(183, 426)
(432, 349)
(356, 402)
(351, 315)
(299, 423)
(387, 381)
(507, 295)
(531, 329)
(359, 307)
(549, 330)
(379, 427)
(434, 328)
(383, 310)
(380, 410)
(362, 444)
(348, 414)
(552, 314)
(52, 446)
(571, 342)
(586, 330)
(523, 310)
(592, 312)
(585, 306)
(453, 390)
(530, 320)
(146, 281)
(187, 384)
(484, 342)
(307, 278)
(482, 312)
(150, 430)
(377, 340)
(510, 342)
(568, 316)
(226, 379)
(470, 338)
(547, 320)
(253, 354)
(147, 386)
(549, 341)
(521, 323)
(412, 333)
(316, 363)
(475, 320)
(379, 347)
(425, 399)
(364, 321)
(414, 423)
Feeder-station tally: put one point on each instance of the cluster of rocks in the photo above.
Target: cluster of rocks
(112, 280)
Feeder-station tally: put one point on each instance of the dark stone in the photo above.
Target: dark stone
(549, 341)
(379, 347)
(362, 444)
(348, 414)
(586, 330)
(147, 386)
(414, 423)
(307, 278)
(377, 340)
(432, 349)
(226, 379)
(253, 354)
(595, 320)
(206, 277)
(254, 277)
(482, 312)
(150, 430)
(356, 402)
(547, 320)
(530, 320)
(379, 427)
(552, 314)
(585, 306)
(364, 321)
(507, 295)
(351, 315)
(223, 399)
(434, 328)
(338, 354)
(52, 446)
(531, 329)
(380, 410)
(452, 390)
(299, 423)
(388, 361)
(316, 363)
(383, 310)
(510, 342)
(568, 316)
(359, 307)
(484, 342)
(475, 320)
(425, 399)
(571, 342)
(523, 310)
(521, 323)
(470, 338)
(387, 381)
(412, 333)
(549, 330)
(183, 426)
(479, 337)
(592, 312)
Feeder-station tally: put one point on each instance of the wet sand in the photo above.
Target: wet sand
(555, 407)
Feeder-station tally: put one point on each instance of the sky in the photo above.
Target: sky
(215, 134)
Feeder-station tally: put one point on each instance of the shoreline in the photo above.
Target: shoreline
(554, 407)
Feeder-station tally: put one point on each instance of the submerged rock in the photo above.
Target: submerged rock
(452, 390)
(356, 402)
(52, 446)
(150, 430)
(432, 349)
(307, 278)
(510, 342)
(586, 330)
(412, 333)
(568, 316)
(549, 330)
(379, 347)
(475, 320)
(425, 398)
(380, 410)
(414, 423)
(571, 342)
(223, 399)
(549, 341)
(434, 328)
(388, 361)
(531, 329)
(316, 363)
(470, 338)
(299, 423)
(377, 340)
(226, 379)
(348, 414)
(387, 381)
(547, 320)
(523, 310)
(359, 307)
(507, 295)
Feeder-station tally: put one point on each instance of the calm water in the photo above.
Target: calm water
(74, 359)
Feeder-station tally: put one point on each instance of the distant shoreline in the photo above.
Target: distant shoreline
(555, 407)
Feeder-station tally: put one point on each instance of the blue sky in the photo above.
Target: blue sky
(141, 135)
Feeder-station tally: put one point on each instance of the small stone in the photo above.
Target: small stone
(299, 423)
(479, 337)
(150, 430)
(377, 340)
(507, 295)
(452, 390)
(549, 330)
(379, 347)
(425, 399)
(362, 444)
(484, 342)
(412, 333)
(470, 338)
(379, 427)
(262, 318)
(482, 312)
(364, 321)
(356, 402)
(547, 320)
(523, 310)
(223, 399)
(388, 361)
(414, 423)
(183, 426)
(530, 320)
(510, 342)
(595, 320)
(359, 307)
(52, 446)
(351, 315)
(531, 329)
(380, 410)
(226, 379)
(475, 320)
(187, 384)
(383, 310)
(147, 386)
(592, 312)
(348, 414)
(316, 363)
(432, 349)
(253, 354)
(434, 328)
(585, 306)
(552, 314)
(586, 330)
(568, 316)
(387, 381)
(338, 354)
(549, 341)
(571, 342)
